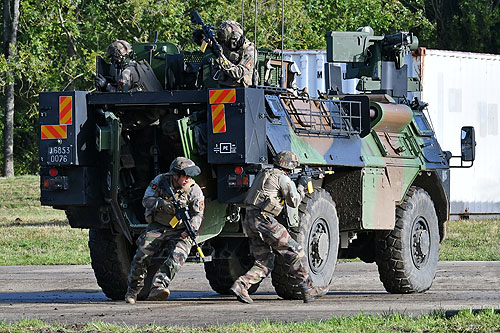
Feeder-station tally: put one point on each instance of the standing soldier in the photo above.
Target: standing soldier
(125, 73)
(265, 233)
(162, 230)
(237, 65)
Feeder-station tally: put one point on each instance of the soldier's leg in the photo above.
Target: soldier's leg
(262, 253)
(178, 251)
(277, 237)
(147, 245)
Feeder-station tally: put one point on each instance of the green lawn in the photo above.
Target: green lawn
(32, 234)
(464, 321)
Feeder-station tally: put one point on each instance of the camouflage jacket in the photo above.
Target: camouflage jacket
(239, 72)
(270, 188)
(160, 209)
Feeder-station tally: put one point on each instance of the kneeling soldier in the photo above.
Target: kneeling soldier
(162, 231)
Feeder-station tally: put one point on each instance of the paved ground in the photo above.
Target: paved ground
(70, 294)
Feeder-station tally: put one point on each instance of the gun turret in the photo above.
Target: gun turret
(378, 61)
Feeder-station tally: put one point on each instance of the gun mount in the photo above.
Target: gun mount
(377, 61)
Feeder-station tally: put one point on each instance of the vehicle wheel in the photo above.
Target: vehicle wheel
(110, 255)
(233, 260)
(407, 256)
(319, 236)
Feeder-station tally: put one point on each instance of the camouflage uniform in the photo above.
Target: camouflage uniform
(160, 234)
(266, 234)
(240, 53)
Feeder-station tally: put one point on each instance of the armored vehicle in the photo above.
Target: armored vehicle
(382, 188)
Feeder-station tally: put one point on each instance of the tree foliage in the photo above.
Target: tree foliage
(58, 40)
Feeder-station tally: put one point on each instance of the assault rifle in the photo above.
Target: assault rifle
(181, 214)
(208, 35)
(312, 173)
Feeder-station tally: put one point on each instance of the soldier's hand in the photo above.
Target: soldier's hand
(100, 82)
(304, 180)
(184, 235)
(166, 206)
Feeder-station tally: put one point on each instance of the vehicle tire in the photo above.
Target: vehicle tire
(319, 236)
(232, 260)
(111, 256)
(407, 256)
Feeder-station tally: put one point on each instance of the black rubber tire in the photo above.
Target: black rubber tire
(236, 261)
(111, 256)
(318, 217)
(407, 256)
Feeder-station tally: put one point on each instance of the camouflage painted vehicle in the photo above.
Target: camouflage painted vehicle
(385, 198)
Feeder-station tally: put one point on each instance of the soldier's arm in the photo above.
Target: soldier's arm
(244, 67)
(196, 201)
(152, 198)
(292, 194)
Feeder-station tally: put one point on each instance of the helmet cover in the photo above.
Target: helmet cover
(184, 166)
(230, 33)
(286, 160)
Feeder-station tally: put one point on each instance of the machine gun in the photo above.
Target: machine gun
(208, 35)
(312, 173)
(181, 214)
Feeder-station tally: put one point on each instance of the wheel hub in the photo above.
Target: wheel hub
(319, 245)
(420, 243)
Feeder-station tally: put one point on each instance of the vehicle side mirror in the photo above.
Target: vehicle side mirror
(468, 144)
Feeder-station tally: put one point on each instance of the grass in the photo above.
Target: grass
(464, 321)
(32, 234)
(476, 240)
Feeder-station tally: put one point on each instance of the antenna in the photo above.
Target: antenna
(242, 12)
(255, 53)
(282, 80)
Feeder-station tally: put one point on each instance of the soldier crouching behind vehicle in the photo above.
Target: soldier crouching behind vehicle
(162, 230)
(125, 73)
(266, 234)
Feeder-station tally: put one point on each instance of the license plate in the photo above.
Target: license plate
(59, 155)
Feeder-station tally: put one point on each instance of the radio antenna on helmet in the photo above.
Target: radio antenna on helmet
(282, 80)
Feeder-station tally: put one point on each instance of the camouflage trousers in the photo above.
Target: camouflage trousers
(153, 240)
(265, 235)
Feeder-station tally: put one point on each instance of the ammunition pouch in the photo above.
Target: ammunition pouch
(266, 204)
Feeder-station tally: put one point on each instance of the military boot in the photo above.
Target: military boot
(239, 290)
(131, 296)
(311, 293)
(158, 294)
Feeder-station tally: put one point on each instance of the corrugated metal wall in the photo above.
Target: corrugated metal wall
(462, 90)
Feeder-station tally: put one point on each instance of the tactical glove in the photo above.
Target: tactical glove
(100, 82)
(304, 180)
(165, 206)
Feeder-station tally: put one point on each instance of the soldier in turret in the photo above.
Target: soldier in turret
(264, 203)
(125, 73)
(162, 230)
(238, 63)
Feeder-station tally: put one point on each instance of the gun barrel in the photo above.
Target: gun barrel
(196, 18)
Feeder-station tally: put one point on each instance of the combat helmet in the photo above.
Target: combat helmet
(120, 51)
(184, 166)
(230, 33)
(286, 160)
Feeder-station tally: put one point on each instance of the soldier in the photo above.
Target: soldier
(126, 73)
(266, 234)
(237, 65)
(163, 232)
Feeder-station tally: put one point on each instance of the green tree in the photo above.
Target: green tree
(465, 25)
